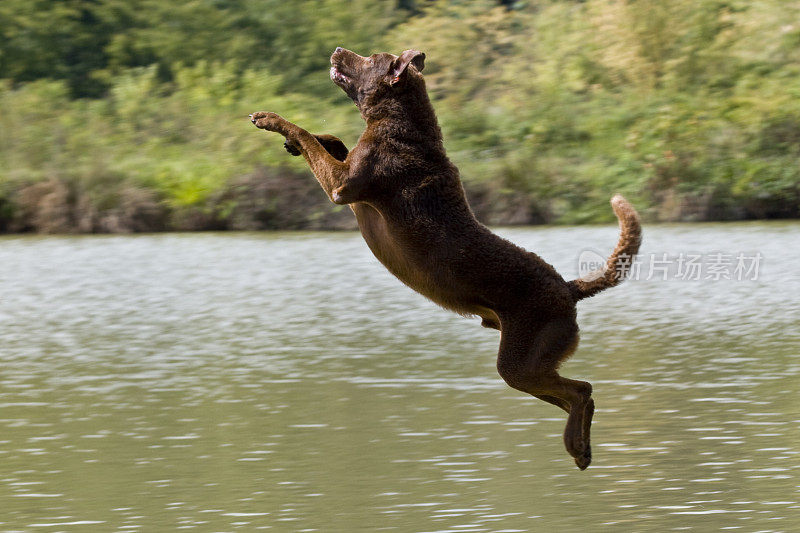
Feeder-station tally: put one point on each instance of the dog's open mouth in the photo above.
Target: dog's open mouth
(337, 76)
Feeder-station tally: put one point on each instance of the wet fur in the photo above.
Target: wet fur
(410, 206)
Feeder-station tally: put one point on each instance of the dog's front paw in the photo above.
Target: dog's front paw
(291, 147)
(266, 121)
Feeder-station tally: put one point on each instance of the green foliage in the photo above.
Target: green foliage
(126, 109)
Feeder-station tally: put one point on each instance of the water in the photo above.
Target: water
(286, 382)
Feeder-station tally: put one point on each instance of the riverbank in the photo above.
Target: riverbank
(285, 199)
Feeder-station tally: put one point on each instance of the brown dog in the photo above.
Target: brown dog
(411, 209)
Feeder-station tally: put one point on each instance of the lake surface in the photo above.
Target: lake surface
(287, 382)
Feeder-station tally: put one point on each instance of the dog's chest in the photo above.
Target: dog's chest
(389, 248)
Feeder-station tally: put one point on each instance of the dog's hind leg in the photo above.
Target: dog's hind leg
(490, 323)
(528, 361)
(494, 323)
(558, 402)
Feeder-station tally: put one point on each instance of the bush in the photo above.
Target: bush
(690, 108)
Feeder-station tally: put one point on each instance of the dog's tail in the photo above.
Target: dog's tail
(619, 263)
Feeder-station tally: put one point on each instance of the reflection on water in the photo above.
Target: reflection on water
(287, 382)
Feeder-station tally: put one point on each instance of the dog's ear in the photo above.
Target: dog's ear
(400, 65)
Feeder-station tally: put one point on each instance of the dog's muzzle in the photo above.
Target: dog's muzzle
(337, 76)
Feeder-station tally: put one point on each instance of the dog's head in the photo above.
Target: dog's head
(367, 80)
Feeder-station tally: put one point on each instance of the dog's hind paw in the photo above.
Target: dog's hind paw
(583, 461)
